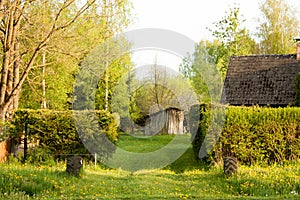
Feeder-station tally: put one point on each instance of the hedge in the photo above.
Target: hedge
(57, 133)
(252, 134)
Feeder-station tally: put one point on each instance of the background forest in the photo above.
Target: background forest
(50, 49)
(43, 44)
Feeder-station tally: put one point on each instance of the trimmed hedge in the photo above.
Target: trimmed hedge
(252, 134)
(55, 133)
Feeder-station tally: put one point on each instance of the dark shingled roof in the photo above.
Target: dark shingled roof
(261, 80)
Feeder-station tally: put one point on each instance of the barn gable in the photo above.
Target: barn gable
(261, 80)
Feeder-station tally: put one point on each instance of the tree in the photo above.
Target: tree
(38, 37)
(233, 39)
(115, 64)
(52, 79)
(57, 76)
(278, 26)
(202, 72)
(92, 85)
(210, 60)
(20, 51)
(154, 91)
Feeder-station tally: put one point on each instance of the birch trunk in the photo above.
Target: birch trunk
(43, 103)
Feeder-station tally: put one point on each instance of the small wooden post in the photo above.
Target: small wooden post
(74, 165)
(230, 166)
(3, 151)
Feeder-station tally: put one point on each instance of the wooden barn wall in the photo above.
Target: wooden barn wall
(168, 121)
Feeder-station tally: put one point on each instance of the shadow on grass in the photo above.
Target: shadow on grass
(187, 162)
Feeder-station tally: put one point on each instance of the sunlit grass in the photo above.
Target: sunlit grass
(143, 145)
(184, 179)
(28, 181)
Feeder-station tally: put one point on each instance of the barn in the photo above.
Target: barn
(169, 121)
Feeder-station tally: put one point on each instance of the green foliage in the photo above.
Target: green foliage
(231, 39)
(55, 133)
(41, 155)
(100, 73)
(118, 66)
(55, 67)
(5, 126)
(155, 88)
(278, 26)
(59, 81)
(234, 39)
(254, 134)
(198, 126)
(202, 72)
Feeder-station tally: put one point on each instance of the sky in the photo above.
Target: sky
(191, 18)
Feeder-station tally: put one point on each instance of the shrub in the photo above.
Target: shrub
(253, 134)
(198, 127)
(58, 132)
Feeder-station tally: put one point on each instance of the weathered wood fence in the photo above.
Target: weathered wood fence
(5, 149)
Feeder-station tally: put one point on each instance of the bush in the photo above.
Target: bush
(59, 133)
(198, 124)
(253, 134)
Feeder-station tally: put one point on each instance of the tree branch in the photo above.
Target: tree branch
(43, 44)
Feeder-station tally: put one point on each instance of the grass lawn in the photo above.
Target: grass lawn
(183, 179)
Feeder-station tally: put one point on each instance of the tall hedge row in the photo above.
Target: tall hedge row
(252, 134)
(56, 133)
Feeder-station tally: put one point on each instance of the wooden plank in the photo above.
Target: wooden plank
(3, 151)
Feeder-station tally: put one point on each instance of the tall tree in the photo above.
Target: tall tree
(19, 51)
(35, 35)
(114, 22)
(92, 85)
(202, 72)
(278, 26)
(210, 60)
(156, 92)
(51, 81)
(116, 63)
(233, 39)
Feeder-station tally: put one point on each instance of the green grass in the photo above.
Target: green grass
(143, 145)
(183, 179)
(148, 153)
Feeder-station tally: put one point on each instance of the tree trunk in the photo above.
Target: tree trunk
(16, 80)
(11, 14)
(43, 103)
(106, 85)
(10, 70)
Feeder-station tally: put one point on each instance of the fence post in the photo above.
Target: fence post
(74, 165)
(25, 142)
(230, 166)
(95, 160)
